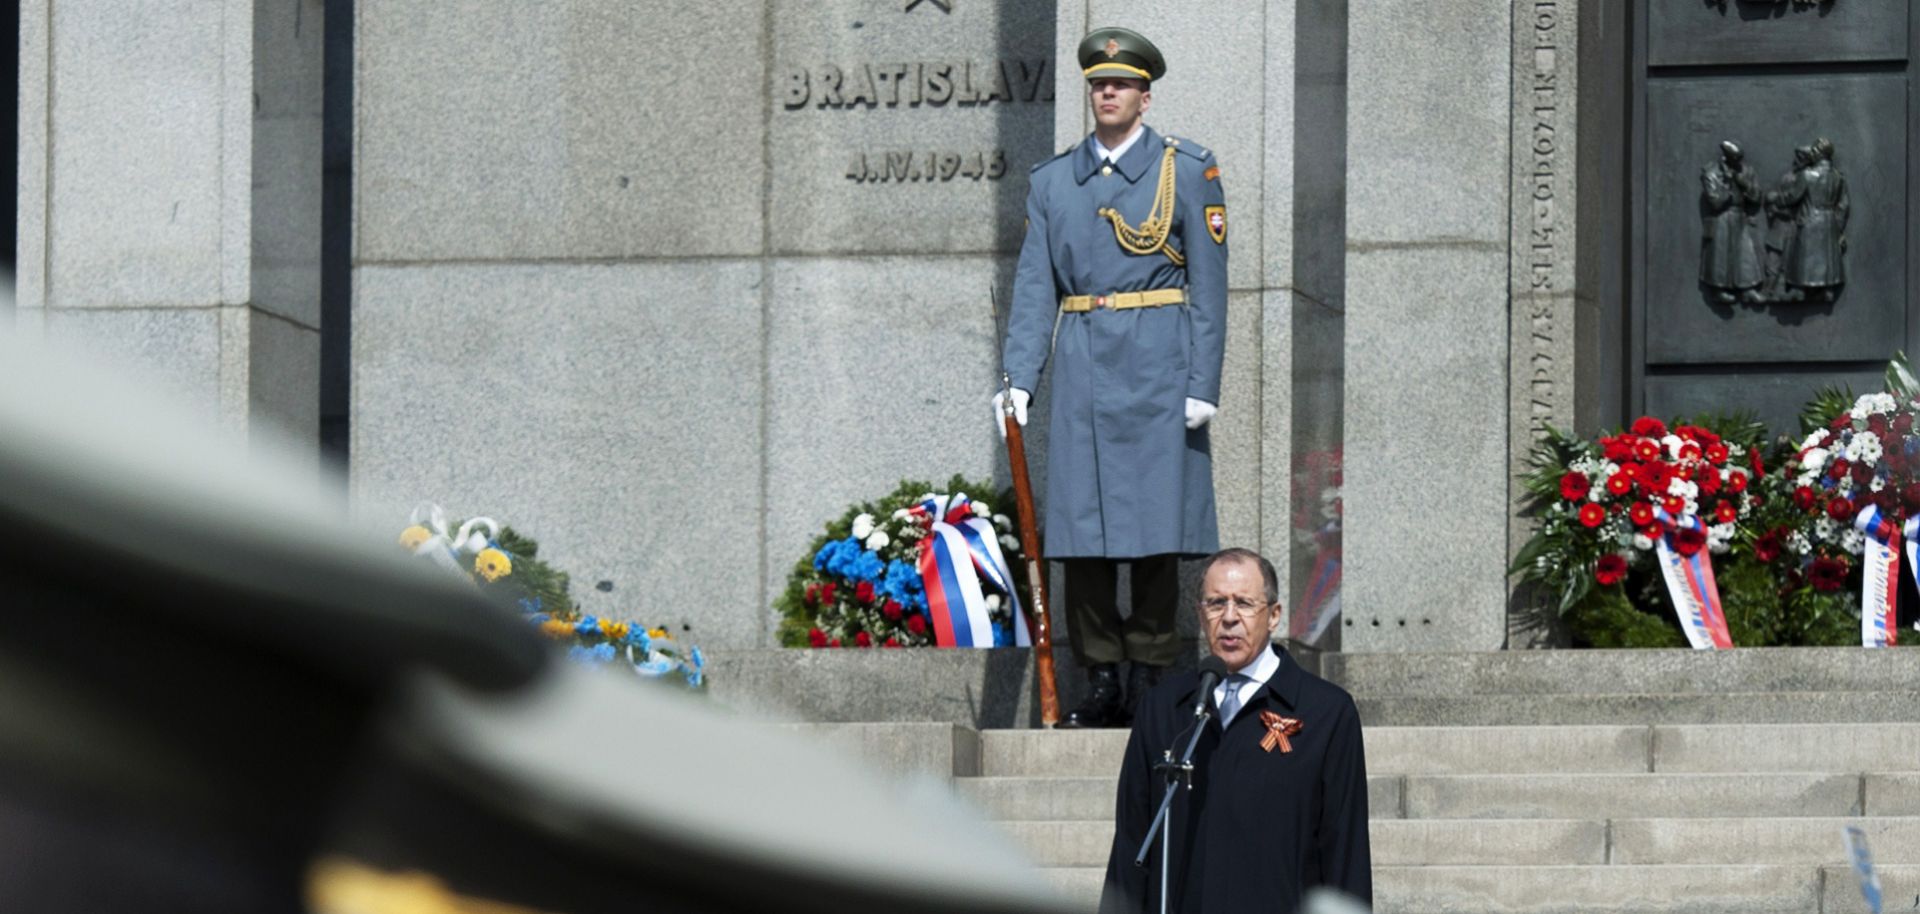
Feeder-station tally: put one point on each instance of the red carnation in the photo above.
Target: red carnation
(1753, 459)
(1653, 531)
(1641, 514)
(1877, 424)
(1649, 427)
(893, 642)
(826, 592)
(1675, 505)
(1902, 424)
(1617, 448)
(1619, 484)
(1592, 515)
(1717, 453)
(1689, 541)
(1828, 575)
(891, 609)
(1610, 569)
(1709, 481)
(1862, 473)
(1725, 512)
(1736, 482)
(1574, 486)
(863, 639)
(1690, 451)
(813, 595)
(1767, 547)
(917, 624)
(1804, 498)
(816, 637)
(1646, 449)
(834, 643)
(1887, 499)
(863, 592)
(1841, 421)
(1840, 508)
(1910, 495)
(1839, 468)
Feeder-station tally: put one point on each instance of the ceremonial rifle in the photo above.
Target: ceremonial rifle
(1029, 548)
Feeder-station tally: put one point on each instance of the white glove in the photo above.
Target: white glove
(1020, 398)
(1199, 412)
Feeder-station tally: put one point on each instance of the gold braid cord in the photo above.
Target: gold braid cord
(1151, 236)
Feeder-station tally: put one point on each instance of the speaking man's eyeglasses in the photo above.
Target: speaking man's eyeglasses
(1215, 607)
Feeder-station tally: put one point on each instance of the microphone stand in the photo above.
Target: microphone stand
(1179, 774)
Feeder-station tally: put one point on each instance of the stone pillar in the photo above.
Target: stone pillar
(169, 186)
(1427, 272)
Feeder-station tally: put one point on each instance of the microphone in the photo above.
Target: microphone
(1212, 670)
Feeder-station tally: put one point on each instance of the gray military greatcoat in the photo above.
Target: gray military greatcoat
(1125, 478)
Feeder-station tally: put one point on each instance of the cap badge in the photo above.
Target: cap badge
(1113, 47)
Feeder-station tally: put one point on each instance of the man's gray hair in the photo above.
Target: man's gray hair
(1237, 554)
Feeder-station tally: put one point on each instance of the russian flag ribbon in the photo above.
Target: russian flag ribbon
(1880, 575)
(1689, 578)
(960, 563)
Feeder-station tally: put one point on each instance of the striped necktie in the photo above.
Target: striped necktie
(1230, 705)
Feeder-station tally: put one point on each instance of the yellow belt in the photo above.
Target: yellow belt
(1119, 300)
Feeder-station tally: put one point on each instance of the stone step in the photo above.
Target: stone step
(1600, 889)
(1894, 840)
(1538, 796)
(1840, 887)
(1411, 842)
(1554, 842)
(1637, 708)
(1628, 796)
(1822, 747)
(1799, 669)
(1091, 799)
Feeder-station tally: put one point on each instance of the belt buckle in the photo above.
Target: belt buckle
(1103, 302)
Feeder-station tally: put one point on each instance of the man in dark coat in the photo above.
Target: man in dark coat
(1126, 251)
(1279, 798)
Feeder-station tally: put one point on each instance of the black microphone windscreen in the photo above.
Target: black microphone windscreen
(1213, 666)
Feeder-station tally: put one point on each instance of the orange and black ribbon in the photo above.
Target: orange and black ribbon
(1278, 729)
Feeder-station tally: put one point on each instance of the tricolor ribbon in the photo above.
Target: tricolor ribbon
(1880, 575)
(959, 563)
(1278, 729)
(1696, 598)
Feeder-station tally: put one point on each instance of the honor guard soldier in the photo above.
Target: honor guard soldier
(1126, 249)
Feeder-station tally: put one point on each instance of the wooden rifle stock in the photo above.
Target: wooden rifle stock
(1036, 569)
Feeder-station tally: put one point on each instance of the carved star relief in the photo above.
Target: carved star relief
(946, 6)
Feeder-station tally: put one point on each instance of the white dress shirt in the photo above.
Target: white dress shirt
(1257, 673)
(1114, 155)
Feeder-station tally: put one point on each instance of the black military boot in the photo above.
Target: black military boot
(1141, 678)
(1102, 707)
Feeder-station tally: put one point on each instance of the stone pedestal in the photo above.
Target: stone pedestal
(169, 188)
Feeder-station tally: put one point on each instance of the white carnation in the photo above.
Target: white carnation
(994, 601)
(1853, 541)
(863, 526)
(878, 540)
(980, 509)
(1642, 541)
(1008, 543)
(1825, 528)
(1002, 521)
(1814, 440)
(902, 514)
(1672, 443)
(1797, 541)
(1876, 485)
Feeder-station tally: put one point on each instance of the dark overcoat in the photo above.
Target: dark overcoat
(1816, 256)
(1125, 478)
(1260, 827)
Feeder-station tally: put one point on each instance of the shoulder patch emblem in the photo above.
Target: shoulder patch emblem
(1212, 173)
(1217, 224)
